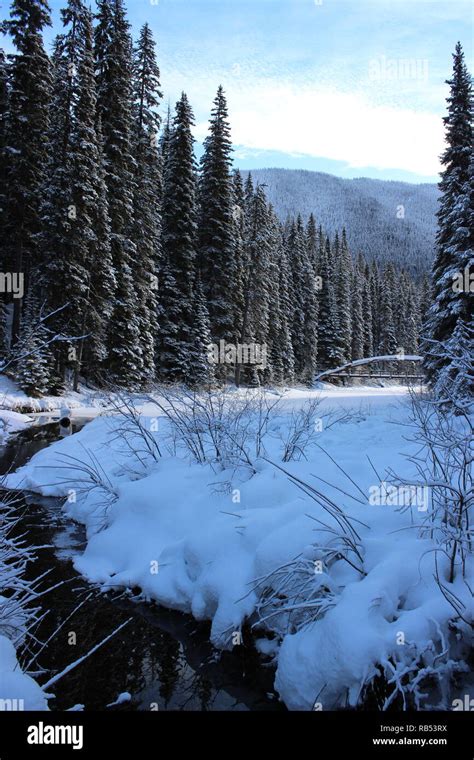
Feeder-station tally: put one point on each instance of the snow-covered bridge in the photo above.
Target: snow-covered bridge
(345, 370)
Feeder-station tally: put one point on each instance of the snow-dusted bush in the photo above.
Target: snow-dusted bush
(400, 632)
(443, 461)
(18, 613)
(421, 675)
(305, 424)
(216, 426)
(301, 591)
(135, 433)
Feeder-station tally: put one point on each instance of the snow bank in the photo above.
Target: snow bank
(330, 661)
(14, 399)
(17, 690)
(12, 422)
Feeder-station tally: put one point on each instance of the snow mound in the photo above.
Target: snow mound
(17, 690)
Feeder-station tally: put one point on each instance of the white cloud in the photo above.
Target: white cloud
(333, 125)
(270, 111)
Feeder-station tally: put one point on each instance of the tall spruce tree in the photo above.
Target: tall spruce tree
(255, 320)
(178, 340)
(343, 295)
(113, 52)
(388, 343)
(329, 343)
(375, 297)
(455, 241)
(305, 306)
(4, 87)
(284, 349)
(240, 258)
(297, 259)
(31, 355)
(26, 140)
(4, 337)
(367, 314)
(64, 276)
(91, 235)
(201, 371)
(274, 370)
(312, 242)
(357, 312)
(216, 223)
(148, 187)
(78, 271)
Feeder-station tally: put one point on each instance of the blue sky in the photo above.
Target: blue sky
(352, 87)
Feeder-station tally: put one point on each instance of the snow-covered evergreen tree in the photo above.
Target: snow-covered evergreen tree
(329, 342)
(4, 86)
(113, 52)
(357, 311)
(240, 256)
(344, 282)
(305, 307)
(274, 370)
(248, 192)
(255, 320)
(64, 275)
(456, 379)
(296, 247)
(93, 233)
(286, 357)
(31, 356)
(388, 343)
(179, 239)
(78, 271)
(375, 298)
(411, 325)
(452, 302)
(201, 370)
(148, 188)
(4, 337)
(367, 314)
(26, 139)
(173, 351)
(216, 223)
(312, 242)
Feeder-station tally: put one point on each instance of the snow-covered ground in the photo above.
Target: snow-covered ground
(241, 532)
(88, 401)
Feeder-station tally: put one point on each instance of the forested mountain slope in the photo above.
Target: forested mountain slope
(393, 221)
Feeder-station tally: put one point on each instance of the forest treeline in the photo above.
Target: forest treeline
(135, 258)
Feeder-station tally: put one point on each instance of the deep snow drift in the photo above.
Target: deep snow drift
(260, 516)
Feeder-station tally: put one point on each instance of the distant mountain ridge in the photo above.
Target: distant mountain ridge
(385, 220)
